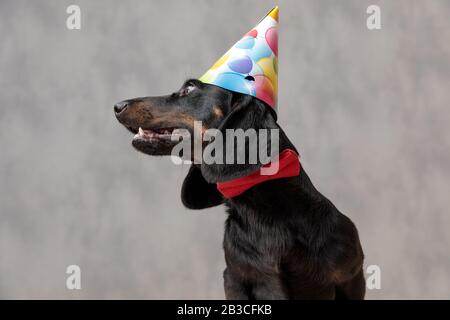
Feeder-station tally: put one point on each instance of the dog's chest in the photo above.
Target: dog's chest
(254, 247)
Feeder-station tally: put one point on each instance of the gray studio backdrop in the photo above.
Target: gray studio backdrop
(368, 110)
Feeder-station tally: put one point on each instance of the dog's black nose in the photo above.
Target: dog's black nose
(120, 106)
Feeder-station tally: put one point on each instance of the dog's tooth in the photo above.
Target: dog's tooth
(141, 132)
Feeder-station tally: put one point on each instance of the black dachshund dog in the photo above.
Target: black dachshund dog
(283, 238)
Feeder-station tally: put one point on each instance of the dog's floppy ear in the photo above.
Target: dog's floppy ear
(196, 193)
(247, 113)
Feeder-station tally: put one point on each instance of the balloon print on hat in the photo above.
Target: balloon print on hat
(250, 66)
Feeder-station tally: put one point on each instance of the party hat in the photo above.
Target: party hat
(251, 65)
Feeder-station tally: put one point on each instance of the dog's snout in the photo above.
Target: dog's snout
(120, 107)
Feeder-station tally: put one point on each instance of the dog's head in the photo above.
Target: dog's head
(153, 119)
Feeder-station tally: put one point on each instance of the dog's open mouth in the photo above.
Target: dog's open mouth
(151, 135)
(155, 141)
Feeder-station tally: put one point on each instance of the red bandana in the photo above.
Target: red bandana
(288, 166)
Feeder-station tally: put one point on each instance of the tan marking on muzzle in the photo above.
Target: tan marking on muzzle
(178, 117)
(217, 112)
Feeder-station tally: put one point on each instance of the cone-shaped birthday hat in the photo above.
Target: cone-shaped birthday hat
(251, 65)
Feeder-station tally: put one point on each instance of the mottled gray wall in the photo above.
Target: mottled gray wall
(369, 111)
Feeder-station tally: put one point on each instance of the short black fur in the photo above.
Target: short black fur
(283, 238)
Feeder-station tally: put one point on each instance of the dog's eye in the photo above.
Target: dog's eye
(187, 90)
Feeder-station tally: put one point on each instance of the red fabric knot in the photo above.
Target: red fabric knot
(288, 166)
